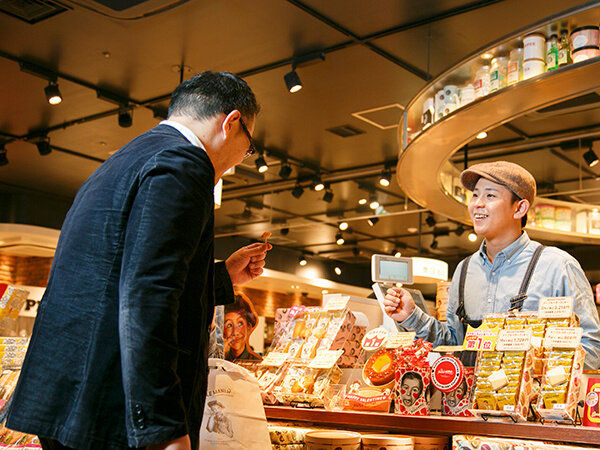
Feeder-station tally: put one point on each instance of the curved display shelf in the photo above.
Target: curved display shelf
(423, 170)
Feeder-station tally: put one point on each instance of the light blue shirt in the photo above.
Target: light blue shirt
(490, 286)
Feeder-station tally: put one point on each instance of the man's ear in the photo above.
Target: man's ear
(230, 119)
(522, 208)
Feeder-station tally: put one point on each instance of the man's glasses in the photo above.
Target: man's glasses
(252, 149)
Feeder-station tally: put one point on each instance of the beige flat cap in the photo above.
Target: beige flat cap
(514, 177)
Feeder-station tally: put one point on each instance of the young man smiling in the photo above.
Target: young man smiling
(508, 271)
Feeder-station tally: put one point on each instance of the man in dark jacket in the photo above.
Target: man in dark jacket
(118, 353)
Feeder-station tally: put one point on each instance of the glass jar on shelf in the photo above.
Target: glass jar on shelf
(515, 67)
(498, 73)
(482, 82)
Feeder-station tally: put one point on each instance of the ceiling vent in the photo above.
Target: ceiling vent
(31, 11)
(577, 104)
(345, 131)
(128, 9)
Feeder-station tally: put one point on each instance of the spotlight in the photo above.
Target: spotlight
(590, 158)
(373, 202)
(247, 212)
(337, 270)
(284, 231)
(302, 260)
(434, 244)
(384, 179)
(362, 201)
(3, 158)
(317, 184)
(328, 196)
(472, 237)
(285, 171)
(460, 229)
(43, 147)
(125, 118)
(481, 135)
(53, 94)
(292, 81)
(261, 164)
(339, 239)
(372, 221)
(430, 221)
(397, 253)
(343, 226)
(297, 191)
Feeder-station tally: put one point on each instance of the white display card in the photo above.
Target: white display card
(563, 337)
(326, 359)
(396, 340)
(338, 303)
(274, 359)
(555, 307)
(514, 340)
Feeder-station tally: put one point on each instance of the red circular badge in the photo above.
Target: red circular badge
(447, 373)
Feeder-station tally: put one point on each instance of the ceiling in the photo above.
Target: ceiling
(365, 59)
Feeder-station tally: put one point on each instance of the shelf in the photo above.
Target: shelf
(437, 425)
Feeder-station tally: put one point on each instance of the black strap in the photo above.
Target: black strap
(516, 303)
(460, 311)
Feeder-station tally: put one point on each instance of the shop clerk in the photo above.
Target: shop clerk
(502, 195)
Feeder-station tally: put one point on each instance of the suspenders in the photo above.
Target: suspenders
(516, 302)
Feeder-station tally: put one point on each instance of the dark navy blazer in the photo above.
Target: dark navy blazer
(118, 355)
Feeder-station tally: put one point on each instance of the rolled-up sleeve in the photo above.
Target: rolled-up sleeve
(168, 214)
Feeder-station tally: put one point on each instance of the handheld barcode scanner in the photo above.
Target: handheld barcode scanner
(387, 271)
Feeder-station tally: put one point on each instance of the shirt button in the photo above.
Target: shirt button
(489, 300)
(493, 273)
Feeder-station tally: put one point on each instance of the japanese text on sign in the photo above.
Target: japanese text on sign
(337, 303)
(326, 359)
(274, 359)
(562, 337)
(555, 307)
(396, 340)
(480, 339)
(514, 340)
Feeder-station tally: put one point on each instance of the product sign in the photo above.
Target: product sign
(447, 373)
(396, 340)
(514, 340)
(374, 339)
(275, 359)
(563, 337)
(337, 303)
(481, 339)
(296, 310)
(326, 359)
(555, 307)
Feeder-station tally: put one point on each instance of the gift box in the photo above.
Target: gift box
(591, 413)
(458, 401)
(411, 391)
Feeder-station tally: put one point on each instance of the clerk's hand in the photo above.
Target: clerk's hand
(182, 443)
(398, 304)
(247, 263)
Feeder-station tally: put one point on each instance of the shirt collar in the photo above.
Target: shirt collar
(511, 250)
(187, 133)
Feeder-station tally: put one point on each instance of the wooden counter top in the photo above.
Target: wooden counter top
(437, 425)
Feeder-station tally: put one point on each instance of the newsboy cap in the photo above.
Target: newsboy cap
(510, 175)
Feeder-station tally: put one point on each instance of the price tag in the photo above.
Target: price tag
(481, 339)
(337, 303)
(275, 359)
(514, 340)
(374, 339)
(396, 340)
(555, 307)
(326, 359)
(563, 337)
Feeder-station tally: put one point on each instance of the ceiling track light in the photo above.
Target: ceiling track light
(43, 146)
(302, 260)
(434, 244)
(337, 270)
(590, 157)
(430, 220)
(261, 164)
(397, 253)
(460, 229)
(472, 236)
(292, 81)
(385, 178)
(125, 118)
(53, 94)
(372, 221)
(328, 196)
(317, 183)
(3, 157)
(297, 191)
(373, 202)
(285, 171)
(343, 226)
(339, 239)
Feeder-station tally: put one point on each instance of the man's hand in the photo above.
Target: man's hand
(398, 304)
(247, 263)
(182, 443)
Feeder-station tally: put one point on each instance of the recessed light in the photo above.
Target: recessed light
(482, 135)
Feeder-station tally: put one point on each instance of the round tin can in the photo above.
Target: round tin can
(584, 37)
(332, 439)
(534, 46)
(585, 53)
(533, 68)
(387, 442)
